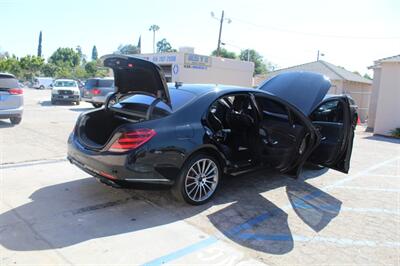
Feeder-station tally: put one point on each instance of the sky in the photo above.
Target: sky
(349, 33)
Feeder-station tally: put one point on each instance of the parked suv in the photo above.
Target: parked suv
(96, 90)
(11, 98)
(65, 90)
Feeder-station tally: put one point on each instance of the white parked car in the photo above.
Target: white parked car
(65, 90)
(42, 83)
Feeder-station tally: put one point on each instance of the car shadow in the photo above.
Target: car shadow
(69, 213)
(4, 124)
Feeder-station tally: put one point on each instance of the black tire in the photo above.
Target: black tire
(78, 103)
(41, 87)
(185, 190)
(15, 120)
(97, 105)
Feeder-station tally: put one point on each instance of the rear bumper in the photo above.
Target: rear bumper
(8, 113)
(65, 98)
(133, 166)
(95, 99)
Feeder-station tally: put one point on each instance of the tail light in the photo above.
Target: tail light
(15, 91)
(96, 91)
(132, 140)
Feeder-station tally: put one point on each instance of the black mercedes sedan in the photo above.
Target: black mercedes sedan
(190, 136)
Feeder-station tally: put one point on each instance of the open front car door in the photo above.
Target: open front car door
(335, 120)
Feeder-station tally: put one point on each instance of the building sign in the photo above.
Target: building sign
(175, 69)
(197, 61)
(159, 59)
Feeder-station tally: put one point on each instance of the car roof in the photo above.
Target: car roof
(6, 75)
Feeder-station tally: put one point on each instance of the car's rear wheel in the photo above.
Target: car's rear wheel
(16, 120)
(198, 180)
(78, 103)
(97, 105)
(41, 87)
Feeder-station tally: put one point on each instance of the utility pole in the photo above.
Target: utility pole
(221, 21)
(220, 31)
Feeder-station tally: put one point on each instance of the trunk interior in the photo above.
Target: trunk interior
(96, 128)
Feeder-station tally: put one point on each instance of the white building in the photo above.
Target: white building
(343, 82)
(187, 67)
(384, 111)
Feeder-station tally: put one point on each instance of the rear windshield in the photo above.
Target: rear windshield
(64, 83)
(91, 83)
(140, 103)
(7, 82)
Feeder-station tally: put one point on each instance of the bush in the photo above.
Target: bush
(395, 132)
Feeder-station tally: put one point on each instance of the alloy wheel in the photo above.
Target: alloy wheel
(201, 180)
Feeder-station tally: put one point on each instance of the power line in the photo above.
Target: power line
(316, 34)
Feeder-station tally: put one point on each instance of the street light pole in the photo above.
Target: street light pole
(220, 31)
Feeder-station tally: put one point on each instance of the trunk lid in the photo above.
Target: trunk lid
(132, 74)
(305, 90)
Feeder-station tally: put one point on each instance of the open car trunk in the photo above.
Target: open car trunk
(141, 94)
(96, 128)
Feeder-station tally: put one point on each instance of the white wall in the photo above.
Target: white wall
(388, 107)
(216, 70)
(374, 97)
(222, 71)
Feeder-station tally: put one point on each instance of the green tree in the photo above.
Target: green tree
(164, 46)
(367, 76)
(154, 28)
(82, 56)
(127, 49)
(260, 67)
(10, 64)
(49, 70)
(224, 53)
(39, 51)
(94, 53)
(95, 69)
(91, 68)
(65, 57)
(64, 72)
(31, 66)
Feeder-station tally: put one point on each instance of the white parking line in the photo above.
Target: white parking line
(30, 163)
(370, 189)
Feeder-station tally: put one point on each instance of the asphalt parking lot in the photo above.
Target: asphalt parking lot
(53, 213)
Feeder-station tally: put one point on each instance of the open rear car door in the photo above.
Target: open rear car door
(335, 120)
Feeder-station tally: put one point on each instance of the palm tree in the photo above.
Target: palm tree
(154, 28)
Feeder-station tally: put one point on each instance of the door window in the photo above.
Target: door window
(331, 111)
